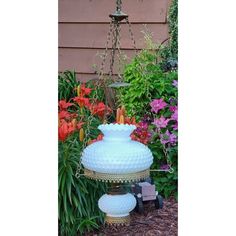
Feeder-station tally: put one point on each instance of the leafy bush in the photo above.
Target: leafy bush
(169, 53)
(147, 81)
(80, 112)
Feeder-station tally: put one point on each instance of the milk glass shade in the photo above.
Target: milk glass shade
(117, 153)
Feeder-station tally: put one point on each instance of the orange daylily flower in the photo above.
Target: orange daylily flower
(84, 91)
(64, 114)
(65, 129)
(82, 101)
(64, 105)
(99, 109)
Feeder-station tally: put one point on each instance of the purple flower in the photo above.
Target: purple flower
(165, 167)
(168, 138)
(172, 139)
(157, 104)
(175, 126)
(175, 83)
(146, 119)
(172, 100)
(175, 115)
(161, 122)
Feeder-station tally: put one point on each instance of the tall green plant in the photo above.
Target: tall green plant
(66, 85)
(77, 197)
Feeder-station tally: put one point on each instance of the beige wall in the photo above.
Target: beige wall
(83, 27)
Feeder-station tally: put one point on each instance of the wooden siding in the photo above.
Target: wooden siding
(83, 27)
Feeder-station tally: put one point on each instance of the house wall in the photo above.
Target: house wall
(84, 24)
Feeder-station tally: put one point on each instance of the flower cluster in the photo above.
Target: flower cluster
(157, 104)
(67, 121)
(141, 134)
(71, 118)
(165, 125)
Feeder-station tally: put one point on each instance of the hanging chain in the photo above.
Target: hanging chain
(131, 34)
(118, 5)
(114, 44)
(119, 54)
(101, 72)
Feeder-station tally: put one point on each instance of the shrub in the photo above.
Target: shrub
(147, 81)
(150, 83)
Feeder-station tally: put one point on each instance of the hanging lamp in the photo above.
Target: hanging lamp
(116, 159)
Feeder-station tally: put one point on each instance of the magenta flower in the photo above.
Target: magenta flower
(157, 104)
(161, 122)
(168, 138)
(173, 108)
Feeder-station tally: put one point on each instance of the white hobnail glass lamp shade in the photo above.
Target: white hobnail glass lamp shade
(117, 153)
(117, 205)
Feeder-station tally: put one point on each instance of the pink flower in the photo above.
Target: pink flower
(173, 108)
(161, 122)
(168, 138)
(157, 104)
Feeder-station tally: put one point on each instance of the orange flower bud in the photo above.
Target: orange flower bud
(123, 112)
(122, 119)
(118, 115)
(78, 90)
(81, 135)
(74, 123)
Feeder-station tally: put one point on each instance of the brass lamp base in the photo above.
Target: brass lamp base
(117, 221)
(117, 178)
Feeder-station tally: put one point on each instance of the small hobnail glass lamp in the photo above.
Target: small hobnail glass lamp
(117, 159)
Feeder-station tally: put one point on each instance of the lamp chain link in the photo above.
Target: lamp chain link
(118, 5)
(131, 34)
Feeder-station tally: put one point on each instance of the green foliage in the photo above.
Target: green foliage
(173, 29)
(169, 53)
(167, 183)
(77, 198)
(66, 85)
(147, 81)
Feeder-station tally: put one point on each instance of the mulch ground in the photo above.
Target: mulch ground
(152, 222)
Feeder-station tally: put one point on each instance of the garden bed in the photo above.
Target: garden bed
(153, 222)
